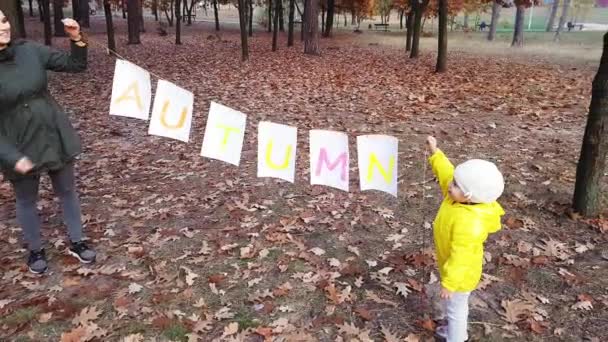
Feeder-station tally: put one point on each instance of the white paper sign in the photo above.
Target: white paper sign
(131, 91)
(329, 159)
(377, 156)
(224, 134)
(172, 112)
(277, 151)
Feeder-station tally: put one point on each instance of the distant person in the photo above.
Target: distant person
(570, 26)
(483, 26)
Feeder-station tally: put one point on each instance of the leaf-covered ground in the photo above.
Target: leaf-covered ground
(195, 249)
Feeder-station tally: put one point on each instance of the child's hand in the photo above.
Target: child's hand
(445, 293)
(432, 143)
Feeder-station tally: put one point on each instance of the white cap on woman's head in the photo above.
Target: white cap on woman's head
(480, 180)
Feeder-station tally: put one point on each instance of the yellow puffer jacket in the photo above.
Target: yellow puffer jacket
(460, 231)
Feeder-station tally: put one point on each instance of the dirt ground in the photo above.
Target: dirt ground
(195, 249)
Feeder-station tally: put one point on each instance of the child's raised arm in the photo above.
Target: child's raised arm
(442, 167)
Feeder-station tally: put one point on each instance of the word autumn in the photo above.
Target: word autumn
(277, 144)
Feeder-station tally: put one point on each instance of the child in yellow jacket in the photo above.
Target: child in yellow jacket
(468, 213)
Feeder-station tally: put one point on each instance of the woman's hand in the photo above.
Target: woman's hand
(72, 28)
(24, 165)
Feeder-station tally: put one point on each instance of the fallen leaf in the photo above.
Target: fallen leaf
(428, 324)
(86, 315)
(374, 297)
(583, 305)
(231, 329)
(135, 288)
(364, 313)
(515, 310)
(317, 251)
(402, 289)
(333, 262)
(134, 338)
(388, 335)
(76, 335)
(354, 250)
(45, 317)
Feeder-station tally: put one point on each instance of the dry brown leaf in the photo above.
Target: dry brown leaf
(86, 315)
(45, 317)
(388, 335)
(412, 338)
(231, 329)
(348, 329)
(516, 310)
(76, 335)
(135, 288)
(202, 326)
(584, 305)
(134, 338)
(374, 297)
(224, 313)
(402, 289)
(364, 314)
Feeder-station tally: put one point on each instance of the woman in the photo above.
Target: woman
(36, 136)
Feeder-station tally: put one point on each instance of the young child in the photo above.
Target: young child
(468, 213)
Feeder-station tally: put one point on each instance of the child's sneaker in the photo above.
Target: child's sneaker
(442, 331)
(81, 251)
(37, 262)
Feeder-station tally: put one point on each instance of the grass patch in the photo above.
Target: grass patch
(20, 316)
(246, 320)
(176, 332)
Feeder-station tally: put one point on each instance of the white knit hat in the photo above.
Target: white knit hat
(480, 180)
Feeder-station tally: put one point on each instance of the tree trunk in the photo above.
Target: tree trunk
(155, 9)
(178, 22)
(322, 20)
(142, 28)
(442, 49)
(124, 6)
(31, 8)
(243, 25)
(250, 21)
(217, 16)
(58, 17)
(83, 6)
(465, 23)
(311, 27)
(452, 20)
(562, 19)
(133, 21)
(20, 19)
(292, 11)
(303, 15)
(518, 33)
(409, 26)
(281, 17)
(496, 7)
(48, 34)
(552, 15)
(40, 10)
(75, 10)
(270, 15)
(184, 11)
(420, 8)
(107, 9)
(592, 162)
(330, 18)
(401, 15)
(275, 32)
